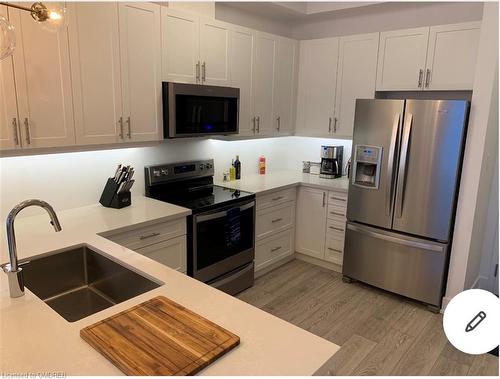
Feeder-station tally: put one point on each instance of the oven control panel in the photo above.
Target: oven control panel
(181, 170)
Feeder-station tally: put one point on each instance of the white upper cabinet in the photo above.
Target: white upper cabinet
(317, 83)
(356, 76)
(43, 82)
(285, 79)
(181, 46)
(214, 52)
(9, 120)
(140, 43)
(451, 58)
(95, 67)
(241, 64)
(401, 59)
(263, 82)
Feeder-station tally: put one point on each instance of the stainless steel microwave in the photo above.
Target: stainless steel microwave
(193, 110)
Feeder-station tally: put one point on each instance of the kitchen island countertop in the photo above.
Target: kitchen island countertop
(35, 339)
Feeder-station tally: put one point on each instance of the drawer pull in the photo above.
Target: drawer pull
(334, 228)
(337, 198)
(337, 213)
(277, 220)
(275, 249)
(149, 236)
(336, 250)
(277, 198)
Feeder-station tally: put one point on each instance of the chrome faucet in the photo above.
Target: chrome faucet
(13, 269)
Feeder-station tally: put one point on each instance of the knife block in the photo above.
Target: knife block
(110, 198)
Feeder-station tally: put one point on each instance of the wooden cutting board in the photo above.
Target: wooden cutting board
(159, 337)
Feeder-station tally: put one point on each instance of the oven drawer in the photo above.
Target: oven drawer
(171, 253)
(151, 234)
(274, 219)
(274, 248)
(275, 198)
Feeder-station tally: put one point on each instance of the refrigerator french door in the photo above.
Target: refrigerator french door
(407, 158)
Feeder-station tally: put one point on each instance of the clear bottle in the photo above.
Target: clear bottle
(232, 171)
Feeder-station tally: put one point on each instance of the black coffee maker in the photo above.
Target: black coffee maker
(331, 162)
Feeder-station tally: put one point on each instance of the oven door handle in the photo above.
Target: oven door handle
(213, 216)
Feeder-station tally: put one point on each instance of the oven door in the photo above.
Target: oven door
(223, 240)
(198, 110)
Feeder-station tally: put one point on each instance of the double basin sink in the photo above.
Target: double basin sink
(79, 282)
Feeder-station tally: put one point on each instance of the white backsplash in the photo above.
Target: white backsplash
(71, 180)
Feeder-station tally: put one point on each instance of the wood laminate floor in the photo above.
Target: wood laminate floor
(379, 333)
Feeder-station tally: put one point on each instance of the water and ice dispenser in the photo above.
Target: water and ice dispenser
(366, 167)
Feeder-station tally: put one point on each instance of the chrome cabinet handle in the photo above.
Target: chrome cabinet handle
(337, 250)
(258, 124)
(277, 198)
(390, 163)
(402, 164)
(253, 121)
(203, 72)
(335, 124)
(277, 220)
(337, 213)
(334, 228)
(279, 123)
(120, 122)
(420, 77)
(198, 72)
(324, 197)
(427, 78)
(329, 124)
(16, 135)
(337, 198)
(275, 249)
(129, 128)
(27, 128)
(156, 234)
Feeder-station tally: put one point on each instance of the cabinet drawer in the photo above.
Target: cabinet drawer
(337, 198)
(334, 251)
(274, 219)
(335, 226)
(171, 253)
(274, 248)
(275, 198)
(336, 212)
(145, 236)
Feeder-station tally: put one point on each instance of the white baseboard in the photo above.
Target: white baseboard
(319, 262)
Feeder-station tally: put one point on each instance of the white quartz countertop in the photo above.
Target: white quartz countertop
(35, 339)
(260, 184)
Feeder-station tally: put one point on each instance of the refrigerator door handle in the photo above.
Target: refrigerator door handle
(400, 241)
(403, 163)
(390, 163)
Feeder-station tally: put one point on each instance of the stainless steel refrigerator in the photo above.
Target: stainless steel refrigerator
(406, 163)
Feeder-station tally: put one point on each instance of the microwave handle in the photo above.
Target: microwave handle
(221, 214)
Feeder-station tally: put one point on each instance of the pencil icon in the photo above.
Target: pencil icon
(479, 318)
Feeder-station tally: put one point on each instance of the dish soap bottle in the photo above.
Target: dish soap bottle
(237, 167)
(262, 165)
(232, 171)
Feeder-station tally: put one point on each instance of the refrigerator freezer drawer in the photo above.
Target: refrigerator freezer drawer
(411, 267)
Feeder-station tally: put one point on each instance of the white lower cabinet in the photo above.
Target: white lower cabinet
(320, 224)
(273, 249)
(171, 253)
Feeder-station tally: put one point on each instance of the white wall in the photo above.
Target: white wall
(71, 180)
(466, 243)
(387, 16)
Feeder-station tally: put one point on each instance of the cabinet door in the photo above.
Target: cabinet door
(43, 82)
(241, 64)
(401, 59)
(181, 46)
(451, 58)
(95, 69)
(357, 72)
(311, 222)
(140, 45)
(214, 52)
(317, 83)
(171, 253)
(284, 79)
(263, 82)
(9, 120)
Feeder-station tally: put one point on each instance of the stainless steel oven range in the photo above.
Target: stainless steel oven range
(221, 228)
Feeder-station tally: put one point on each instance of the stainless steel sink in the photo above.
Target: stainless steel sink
(79, 282)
